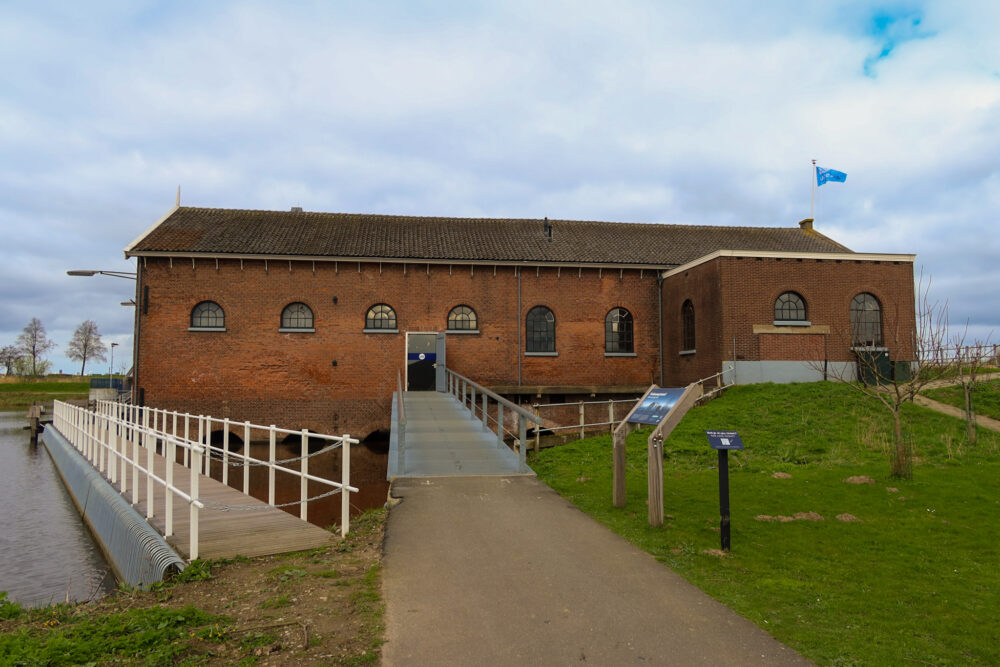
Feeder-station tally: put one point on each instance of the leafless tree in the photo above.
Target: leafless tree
(969, 360)
(86, 344)
(894, 383)
(9, 354)
(34, 343)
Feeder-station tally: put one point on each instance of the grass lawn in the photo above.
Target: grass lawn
(22, 393)
(985, 397)
(913, 581)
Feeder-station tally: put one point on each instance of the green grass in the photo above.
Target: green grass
(985, 397)
(153, 636)
(914, 581)
(25, 393)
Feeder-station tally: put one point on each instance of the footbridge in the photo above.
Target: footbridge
(463, 430)
(142, 479)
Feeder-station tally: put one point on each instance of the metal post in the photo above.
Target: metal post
(582, 422)
(150, 444)
(486, 426)
(225, 451)
(303, 481)
(208, 446)
(611, 415)
(270, 466)
(499, 424)
(522, 433)
(724, 498)
(170, 454)
(187, 438)
(195, 465)
(538, 429)
(246, 452)
(345, 479)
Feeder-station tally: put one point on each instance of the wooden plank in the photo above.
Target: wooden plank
(232, 524)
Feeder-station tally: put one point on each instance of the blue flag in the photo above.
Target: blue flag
(824, 175)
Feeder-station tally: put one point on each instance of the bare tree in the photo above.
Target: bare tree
(86, 344)
(969, 361)
(9, 354)
(34, 343)
(894, 383)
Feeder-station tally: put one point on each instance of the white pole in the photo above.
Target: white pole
(812, 201)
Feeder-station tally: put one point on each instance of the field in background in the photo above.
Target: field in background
(906, 574)
(16, 392)
(985, 397)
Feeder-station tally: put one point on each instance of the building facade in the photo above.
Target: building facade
(304, 319)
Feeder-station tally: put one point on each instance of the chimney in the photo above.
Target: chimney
(806, 224)
(296, 209)
(548, 229)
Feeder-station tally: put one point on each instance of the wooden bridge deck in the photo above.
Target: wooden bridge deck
(224, 533)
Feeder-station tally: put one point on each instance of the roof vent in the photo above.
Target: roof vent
(296, 209)
(806, 224)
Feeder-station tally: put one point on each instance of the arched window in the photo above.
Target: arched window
(866, 321)
(790, 308)
(297, 316)
(618, 332)
(381, 316)
(687, 326)
(540, 330)
(462, 318)
(208, 315)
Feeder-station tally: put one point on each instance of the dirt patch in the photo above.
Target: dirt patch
(860, 479)
(799, 516)
(321, 606)
(718, 553)
(847, 518)
(781, 475)
(892, 489)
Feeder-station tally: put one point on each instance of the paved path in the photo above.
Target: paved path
(503, 571)
(944, 408)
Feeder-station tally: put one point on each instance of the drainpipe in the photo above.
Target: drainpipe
(517, 324)
(659, 308)
(135, 330)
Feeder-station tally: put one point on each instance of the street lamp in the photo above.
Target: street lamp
(128, 275)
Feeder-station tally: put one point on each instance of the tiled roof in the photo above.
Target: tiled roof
(214, 231)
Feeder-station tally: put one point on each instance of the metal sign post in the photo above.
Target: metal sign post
(723, 441)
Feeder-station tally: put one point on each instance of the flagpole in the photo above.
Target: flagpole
(812, 199)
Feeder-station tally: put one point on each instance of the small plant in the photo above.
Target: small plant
(276, 603)
(256, 639)
(284, 573)
(8, 609)
(196, 570)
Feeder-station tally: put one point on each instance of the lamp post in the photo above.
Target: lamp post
(111, 369)
(127, 275)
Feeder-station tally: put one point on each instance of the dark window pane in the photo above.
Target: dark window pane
(297, 316)
(687, 326)
(866, 321)
(790, 307)
(540, 330)
(208, 314)
(618, 331)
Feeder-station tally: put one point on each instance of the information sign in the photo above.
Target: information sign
(724, 440)
(655, 406)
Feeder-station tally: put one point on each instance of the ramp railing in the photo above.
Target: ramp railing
(477, 398)
(400, 422)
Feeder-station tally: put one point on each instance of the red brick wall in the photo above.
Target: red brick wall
(700, 285)
(253, 372)
(792, 347)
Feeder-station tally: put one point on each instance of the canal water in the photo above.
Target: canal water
(46, 552)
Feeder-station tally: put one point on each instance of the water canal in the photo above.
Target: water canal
(46, 552)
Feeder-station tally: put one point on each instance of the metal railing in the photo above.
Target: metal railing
(400, 424)
(582, 425)
(467, 391)
(720, 384)
(112, 437)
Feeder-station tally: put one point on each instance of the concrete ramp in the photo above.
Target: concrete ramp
(443, 438)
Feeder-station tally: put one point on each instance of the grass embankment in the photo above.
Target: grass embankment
(322, 606)
(985, 397)
(912, 581)
(23, 393)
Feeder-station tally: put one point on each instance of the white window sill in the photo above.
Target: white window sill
(686, 353)
(792, 323)
(875, 348)
(541, 354)
(380, 331)
(296, 330)
(462, 331)
(620, 354)
(206, 328)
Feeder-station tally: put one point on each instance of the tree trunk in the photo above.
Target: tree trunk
(901, 464)
(84, 366)
(970, 416)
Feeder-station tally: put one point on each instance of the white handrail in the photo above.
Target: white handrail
(104, 435)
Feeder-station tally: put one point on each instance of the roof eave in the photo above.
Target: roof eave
(787, 254)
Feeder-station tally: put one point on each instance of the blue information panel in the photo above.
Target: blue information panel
(724, 440)
(655, 406)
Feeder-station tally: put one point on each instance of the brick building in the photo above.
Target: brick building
(303, 319)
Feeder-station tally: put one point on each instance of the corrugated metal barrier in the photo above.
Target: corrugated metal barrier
(138, 554)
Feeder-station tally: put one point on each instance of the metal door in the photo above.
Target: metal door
(421, 357)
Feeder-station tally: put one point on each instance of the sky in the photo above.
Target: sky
(627, 111)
